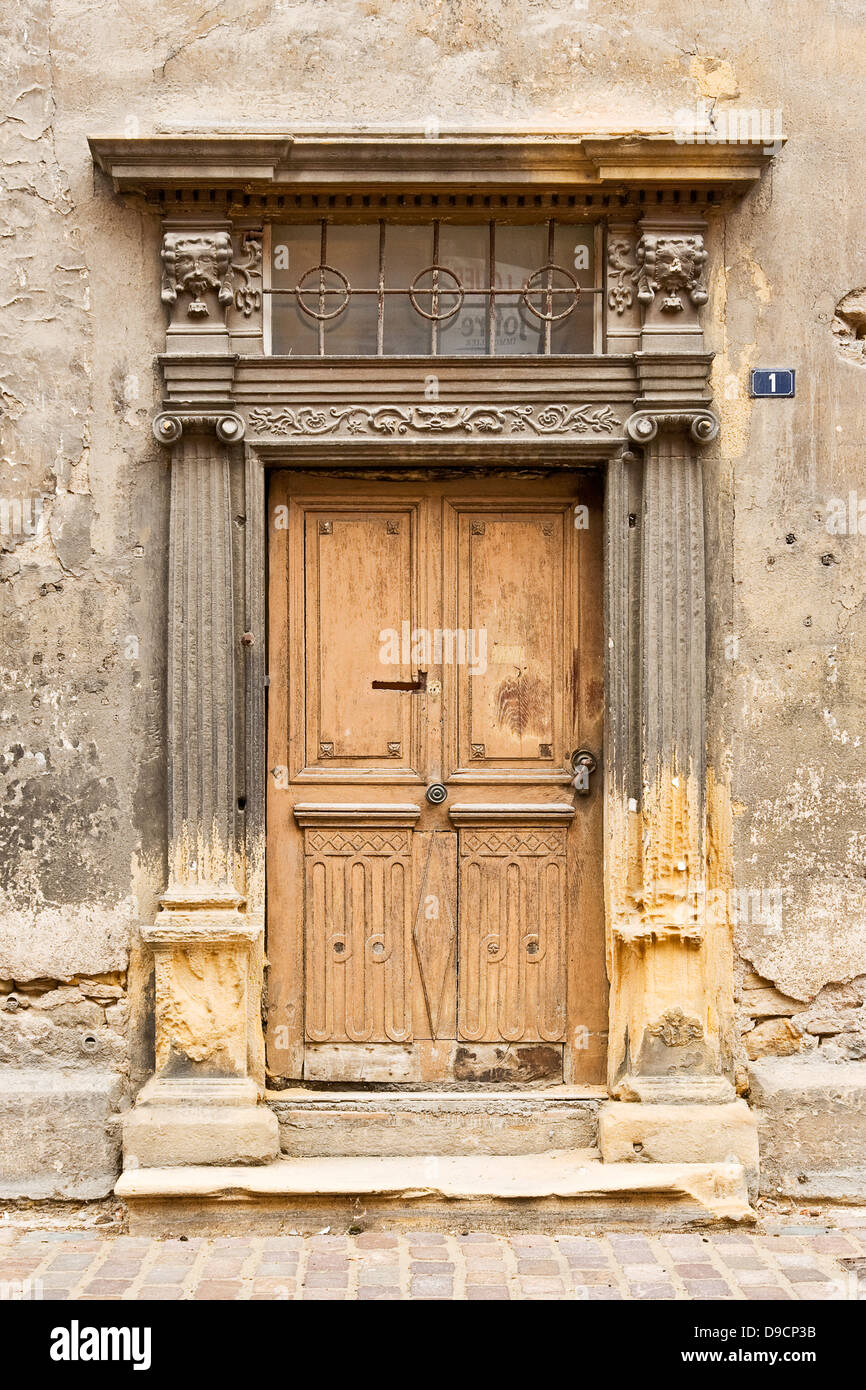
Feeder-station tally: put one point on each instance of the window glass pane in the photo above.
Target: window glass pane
(295, 250)
(519, 252)
(464, 252)
(354, 253)
(575, 332)
(574, 250)
(408, 250)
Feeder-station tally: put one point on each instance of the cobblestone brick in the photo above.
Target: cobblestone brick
(778, 1261)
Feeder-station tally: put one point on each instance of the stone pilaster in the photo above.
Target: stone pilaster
(665, 1045)
(202, 1106)
(622, 306)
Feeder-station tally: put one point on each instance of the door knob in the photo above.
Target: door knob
(584, 764)
(436, 793)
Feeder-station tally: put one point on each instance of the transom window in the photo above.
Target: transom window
(436, 288)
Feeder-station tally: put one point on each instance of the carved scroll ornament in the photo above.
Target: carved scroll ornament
(622, 272)
(643, 426)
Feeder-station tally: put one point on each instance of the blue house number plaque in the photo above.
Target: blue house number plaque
(772, 381)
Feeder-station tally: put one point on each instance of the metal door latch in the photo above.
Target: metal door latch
(584, 764)
(420, 683)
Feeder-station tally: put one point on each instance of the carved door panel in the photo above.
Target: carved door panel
(441, 637)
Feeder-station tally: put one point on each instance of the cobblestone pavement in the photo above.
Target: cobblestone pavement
(778, 1260)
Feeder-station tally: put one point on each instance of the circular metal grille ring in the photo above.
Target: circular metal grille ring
(435, 291)
(320, 290)
(548, 291)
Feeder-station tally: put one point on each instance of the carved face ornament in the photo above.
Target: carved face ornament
(194, 265)
(673, 265)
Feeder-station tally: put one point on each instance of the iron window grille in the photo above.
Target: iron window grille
(318, 298)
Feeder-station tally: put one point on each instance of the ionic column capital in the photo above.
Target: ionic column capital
(169, 425)
(644, 425)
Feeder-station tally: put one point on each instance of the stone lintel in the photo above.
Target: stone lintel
(345, 160)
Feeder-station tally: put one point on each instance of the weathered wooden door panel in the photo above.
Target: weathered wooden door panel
(361, 579)
(511, 568)
(358, 903)
(434, 934)
(512, 935)
(443, 632)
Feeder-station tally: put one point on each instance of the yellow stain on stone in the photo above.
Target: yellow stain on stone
(201, 1006)
(714, 77)
(670, 946)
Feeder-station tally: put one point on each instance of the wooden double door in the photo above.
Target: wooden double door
(434, 880)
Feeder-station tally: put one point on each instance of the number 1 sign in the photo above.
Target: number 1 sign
(772, 381)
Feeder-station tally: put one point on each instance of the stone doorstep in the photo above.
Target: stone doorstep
(447, 1122)
(521, 1191)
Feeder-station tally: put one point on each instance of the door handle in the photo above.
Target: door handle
(584, 765)
(420, 683)
(436, 793)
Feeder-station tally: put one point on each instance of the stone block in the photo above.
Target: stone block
(812, 1127)
(646, 1133)
(59, 1133)
(777, 1037)
(199, 1122)
(335, 1123)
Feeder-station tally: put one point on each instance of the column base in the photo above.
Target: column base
(192, 1121)
(688, 1089)
(680, 1133)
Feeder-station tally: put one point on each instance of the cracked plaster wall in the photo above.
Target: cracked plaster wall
(82, 597)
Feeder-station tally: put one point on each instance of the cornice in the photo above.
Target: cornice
(506, 813)
(505, 161)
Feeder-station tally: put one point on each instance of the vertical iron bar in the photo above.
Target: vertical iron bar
(323, 256)
(434, 298)
(380, 306)
(491, 285)
(267, 285)
(549, 298)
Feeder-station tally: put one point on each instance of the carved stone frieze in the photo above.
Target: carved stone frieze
(676, 1029)
(674, 266)
(211, 277)
(433, 420)
(247, 275)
